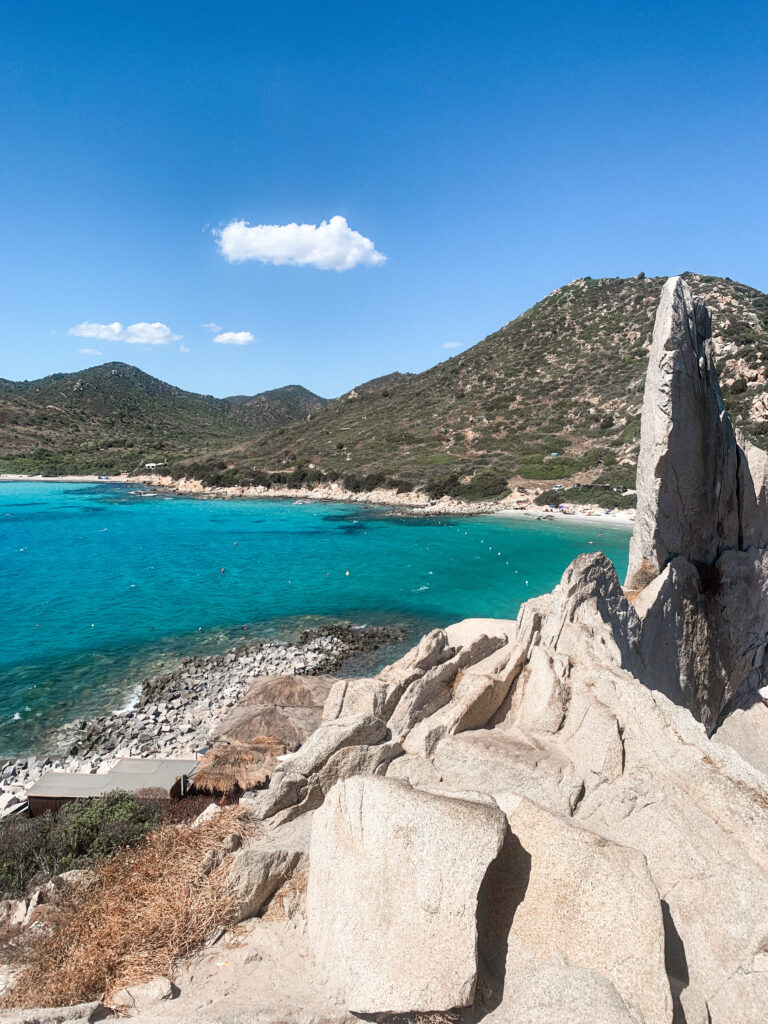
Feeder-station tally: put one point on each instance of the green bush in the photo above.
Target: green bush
(81, 834)
(483, 486)
(604, 497)
(447, 484)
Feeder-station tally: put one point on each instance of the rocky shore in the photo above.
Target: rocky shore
(174, 714)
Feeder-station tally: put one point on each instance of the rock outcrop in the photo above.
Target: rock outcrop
(698, 562)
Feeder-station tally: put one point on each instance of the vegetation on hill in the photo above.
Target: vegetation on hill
(116, 417)
(552, 398)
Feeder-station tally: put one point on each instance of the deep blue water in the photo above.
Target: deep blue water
(99, 586)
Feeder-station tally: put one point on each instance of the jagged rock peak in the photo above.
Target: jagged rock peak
(688, 477)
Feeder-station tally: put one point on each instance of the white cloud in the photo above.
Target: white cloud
(134, 334)
(183, 348)
(450, 344)
(332, 245)
(88, 352)
(104, 332)
(213, 327)
(234, 338)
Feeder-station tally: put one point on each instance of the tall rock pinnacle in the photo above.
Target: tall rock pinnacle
(698, 559)
(688, 468)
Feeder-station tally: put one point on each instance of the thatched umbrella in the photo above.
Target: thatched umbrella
(232, 765)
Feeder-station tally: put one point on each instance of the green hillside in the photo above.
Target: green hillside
(553, 397)
(115, 417)
(565, 377)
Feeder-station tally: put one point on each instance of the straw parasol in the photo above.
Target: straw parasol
(237, 765)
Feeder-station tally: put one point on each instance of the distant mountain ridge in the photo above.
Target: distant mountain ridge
(553, 397)
(115, 416)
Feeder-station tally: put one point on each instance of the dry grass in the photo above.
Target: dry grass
(151, 906)
(288, 899)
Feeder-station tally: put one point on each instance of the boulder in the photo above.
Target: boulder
(265, 863)
(350, 731)
(745, 730)
(140, 998)
(211, 811)
(392, 899)
(561, 889)
(744, 996)
(423, 697)
(562, 994)
(368, 759)
(295, 779)
(12, 914)
(258, 870)
(357, 697)
(418, 772)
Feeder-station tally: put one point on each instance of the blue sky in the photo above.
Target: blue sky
(490, 151)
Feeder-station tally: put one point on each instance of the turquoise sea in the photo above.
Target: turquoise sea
(101, 585)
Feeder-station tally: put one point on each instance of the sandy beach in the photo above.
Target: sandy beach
(408, 503)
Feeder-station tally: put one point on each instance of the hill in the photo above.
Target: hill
(115, 416)
(553, 396)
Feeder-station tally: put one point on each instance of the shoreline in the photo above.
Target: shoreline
(174, 714)
(411, 503)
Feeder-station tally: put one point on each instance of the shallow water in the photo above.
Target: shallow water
(100, 586)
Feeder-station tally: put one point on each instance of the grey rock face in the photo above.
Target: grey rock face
(698, 572)
(392, 899)
(687, 497)
(561, 994)
(532, 903)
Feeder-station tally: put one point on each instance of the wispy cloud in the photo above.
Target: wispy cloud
(450, 344)
(134, 334)
(331, 245)
(88, 352)
(183, 348)
(234, 338)
(213, 327)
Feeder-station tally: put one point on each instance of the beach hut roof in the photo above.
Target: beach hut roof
(232, 763)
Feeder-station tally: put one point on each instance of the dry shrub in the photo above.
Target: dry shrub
(151, 906)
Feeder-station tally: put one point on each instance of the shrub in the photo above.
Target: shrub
(447, 484)
(81, 834)
(483, 486)
(151, 905)
(604, 497)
